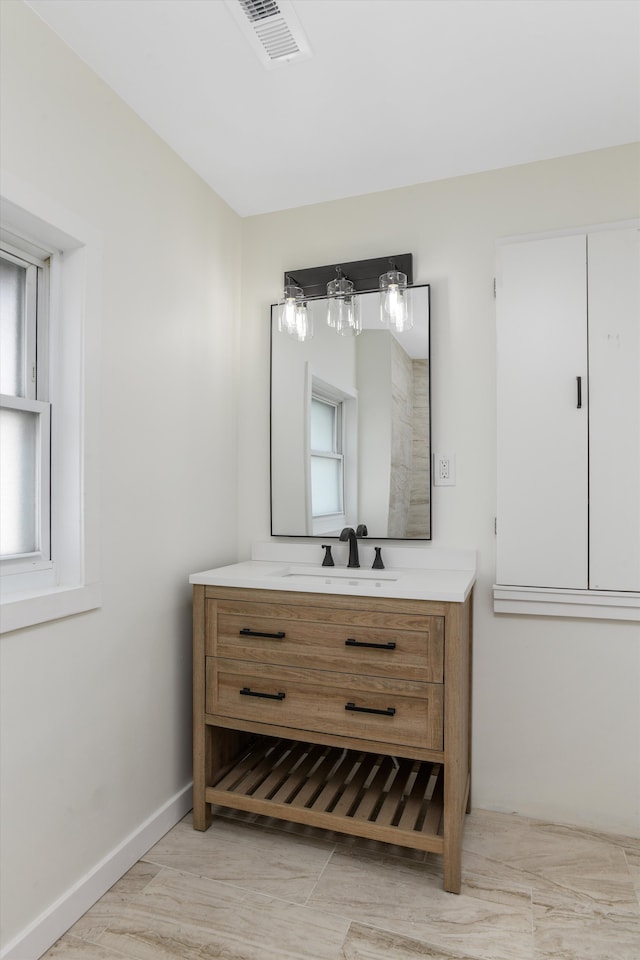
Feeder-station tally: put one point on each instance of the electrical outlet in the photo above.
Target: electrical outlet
(444, 469)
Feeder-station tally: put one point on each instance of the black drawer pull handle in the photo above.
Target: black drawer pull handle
(377, 646)
(389, 712)
(248, 692)
(579, 386)
(248, 632)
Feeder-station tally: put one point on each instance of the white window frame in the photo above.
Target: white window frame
(40, 559)
(336, 452)
(71, 584)
(316, 386)
(35, 398)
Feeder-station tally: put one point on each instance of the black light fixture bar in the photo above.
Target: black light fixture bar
(364, 274)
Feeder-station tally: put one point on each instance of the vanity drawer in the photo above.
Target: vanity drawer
(405, 646)
(385, 710)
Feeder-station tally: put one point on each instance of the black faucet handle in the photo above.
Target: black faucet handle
(328, 559)
(361, 530)
(377, 561)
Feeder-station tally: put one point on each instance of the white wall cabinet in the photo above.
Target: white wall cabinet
(568, 341)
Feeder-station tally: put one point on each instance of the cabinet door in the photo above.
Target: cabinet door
(542, 516)
(614, 409)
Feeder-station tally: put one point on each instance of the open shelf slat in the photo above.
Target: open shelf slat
(362, 794)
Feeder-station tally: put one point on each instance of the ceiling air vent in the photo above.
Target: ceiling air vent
(273, 30)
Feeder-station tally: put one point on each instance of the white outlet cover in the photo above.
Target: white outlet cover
(444, 469)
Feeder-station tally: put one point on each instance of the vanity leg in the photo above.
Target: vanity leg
(456, 739)
(469, 696)
(201, 766)
(452, 867)
(201, 733)
(453, 823)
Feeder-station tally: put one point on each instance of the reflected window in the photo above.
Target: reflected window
(327, 458)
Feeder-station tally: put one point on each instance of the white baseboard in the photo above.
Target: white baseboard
(35, 939)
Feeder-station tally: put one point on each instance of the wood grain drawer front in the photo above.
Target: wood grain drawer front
(386, 710)
(391, 645)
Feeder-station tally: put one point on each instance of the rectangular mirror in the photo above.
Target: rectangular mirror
(350, 427)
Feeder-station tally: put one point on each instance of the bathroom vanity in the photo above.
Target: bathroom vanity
(338, 698)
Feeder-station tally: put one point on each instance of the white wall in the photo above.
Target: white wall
(96, 709)
(556, 702)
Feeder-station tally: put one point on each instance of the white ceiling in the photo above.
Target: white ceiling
(397, 91)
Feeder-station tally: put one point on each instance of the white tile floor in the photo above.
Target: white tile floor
(251, 888)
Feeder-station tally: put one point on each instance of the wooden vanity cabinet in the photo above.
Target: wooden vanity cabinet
(347, 713)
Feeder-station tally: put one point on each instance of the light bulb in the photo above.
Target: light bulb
(395, 301)
(303, 323)
(343, 309)
(293, 317)
(351, 324)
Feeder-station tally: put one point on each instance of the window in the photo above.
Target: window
(327, 461)
(331, 460)
(25, 420)
(49, 410)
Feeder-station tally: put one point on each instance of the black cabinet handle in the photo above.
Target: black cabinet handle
(389, 712)
(248, 692)
(579, 386)
(248, 632)
(377, 646)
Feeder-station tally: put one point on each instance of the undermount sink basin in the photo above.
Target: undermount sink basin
(351, 575)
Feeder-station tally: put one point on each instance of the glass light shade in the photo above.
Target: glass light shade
(343, 311)
(396, 309)
(293, 317)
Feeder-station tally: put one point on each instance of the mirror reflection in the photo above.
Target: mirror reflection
(350, 426)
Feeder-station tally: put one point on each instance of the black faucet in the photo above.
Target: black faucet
(352, 535)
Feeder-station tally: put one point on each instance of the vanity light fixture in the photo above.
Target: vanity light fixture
(293, 316)
(391, 276)
(395, 300)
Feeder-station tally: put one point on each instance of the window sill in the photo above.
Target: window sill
(52, 604)
(552, 602)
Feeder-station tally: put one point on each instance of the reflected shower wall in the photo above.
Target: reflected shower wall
(409, 492)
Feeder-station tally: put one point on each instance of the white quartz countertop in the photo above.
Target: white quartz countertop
(421, 577)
